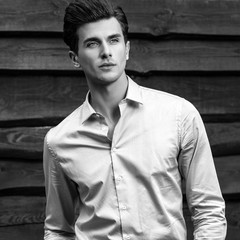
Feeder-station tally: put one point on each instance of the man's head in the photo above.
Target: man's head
(81, 12)
(97, 36)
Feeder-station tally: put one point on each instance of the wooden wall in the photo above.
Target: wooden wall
(189, 48)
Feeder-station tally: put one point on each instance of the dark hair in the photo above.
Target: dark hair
(81, 12)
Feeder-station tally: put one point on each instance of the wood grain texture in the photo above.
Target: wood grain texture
(16, 210)
(21, 174)
(22, 143)
(228, 171)
(209, 93)
(26, 210)
(40, 98)
(224, 138)
(145, 55)
(215, 17)
(22, 232)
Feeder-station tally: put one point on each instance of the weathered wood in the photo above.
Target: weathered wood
(21, 174)
(215, 17)
(27, 15)
(21, 210)
(228, 171)
(22, 232)
(28, 174)
(26, 210)
(233, 220)
(224, 138)
(22, 143)
(209, 93)
(145, 56)
(39, 99)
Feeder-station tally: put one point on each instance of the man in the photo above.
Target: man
(121, 156)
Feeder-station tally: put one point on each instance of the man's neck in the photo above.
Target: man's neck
(106, 98)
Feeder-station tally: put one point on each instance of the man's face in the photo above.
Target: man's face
(102, 51)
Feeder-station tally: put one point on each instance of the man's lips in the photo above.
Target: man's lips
(107, 65)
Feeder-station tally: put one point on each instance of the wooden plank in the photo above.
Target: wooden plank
(228, 171)
(21, 174)
(28, 175)
(22, 143)
(224, 138)
(209, 93)
(22, 210)
(38, 99)
(232, 216)
(17, 210)
(215, 17)
(26, 15)
(145, 55)
(26, 232)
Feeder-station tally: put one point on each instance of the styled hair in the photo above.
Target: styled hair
(81, 12)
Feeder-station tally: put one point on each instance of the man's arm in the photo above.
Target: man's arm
(203, 193)
(61, 197)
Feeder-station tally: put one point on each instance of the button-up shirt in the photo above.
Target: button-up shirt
(130, 186)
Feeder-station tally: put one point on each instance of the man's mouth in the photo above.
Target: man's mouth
(107, 65)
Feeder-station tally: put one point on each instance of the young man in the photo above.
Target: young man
(121, 156)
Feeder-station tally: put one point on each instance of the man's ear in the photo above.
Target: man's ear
(127, 50)
(74, 59)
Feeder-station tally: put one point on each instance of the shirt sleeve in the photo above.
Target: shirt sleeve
(203, 193)
(61, 198)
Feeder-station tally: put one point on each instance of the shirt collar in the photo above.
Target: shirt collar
(133, 94)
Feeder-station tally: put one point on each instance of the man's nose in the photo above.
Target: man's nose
(106, 50)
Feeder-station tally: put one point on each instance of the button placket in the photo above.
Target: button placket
(120, 187)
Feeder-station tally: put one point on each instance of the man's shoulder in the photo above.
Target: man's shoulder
(150, 94)
(65, 128)
(165, 100)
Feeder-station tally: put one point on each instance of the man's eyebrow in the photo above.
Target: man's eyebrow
(117, 35)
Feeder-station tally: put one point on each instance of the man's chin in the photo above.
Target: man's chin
(108, 78)
(105, 78)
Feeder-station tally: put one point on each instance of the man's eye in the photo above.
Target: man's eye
(114, 40)
(92, 44)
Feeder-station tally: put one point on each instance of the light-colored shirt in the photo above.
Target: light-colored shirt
(129, 187)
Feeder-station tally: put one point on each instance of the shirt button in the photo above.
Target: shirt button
(127, 237)
(123, 207)
(118, 179)
(104, 128)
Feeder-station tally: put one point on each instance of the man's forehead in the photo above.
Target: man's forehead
(102, 28)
